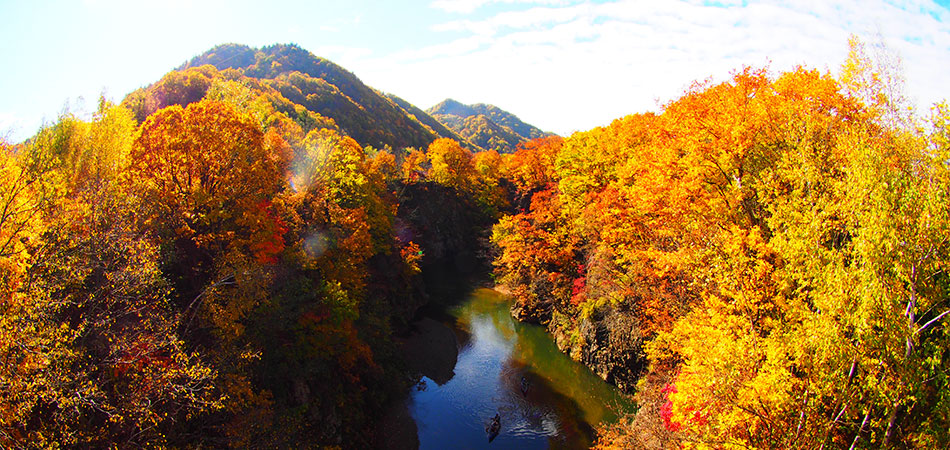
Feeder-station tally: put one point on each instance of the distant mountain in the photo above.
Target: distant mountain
(431, 122)
(483, 132)
(486, 126)
(315, 92)
(289, 74)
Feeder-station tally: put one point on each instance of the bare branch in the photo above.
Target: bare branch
(932, 321)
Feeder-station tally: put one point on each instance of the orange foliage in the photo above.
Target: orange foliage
(203, 173)
(531, 168)
(452, 165)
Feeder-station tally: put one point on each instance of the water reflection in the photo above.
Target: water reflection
(562, 401)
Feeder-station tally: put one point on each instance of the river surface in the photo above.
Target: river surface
(480, 375)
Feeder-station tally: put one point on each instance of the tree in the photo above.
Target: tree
(531, 168)
(206, 174)
(91, 354)
(452, 165)
(175, 88)
(816, 326)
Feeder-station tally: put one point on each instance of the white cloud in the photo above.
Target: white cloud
(459, 6)
(577, 66)
(467, 6)
(531, 18)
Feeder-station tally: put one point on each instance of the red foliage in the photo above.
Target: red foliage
(577, 291)
(666, 411)
(272, 242)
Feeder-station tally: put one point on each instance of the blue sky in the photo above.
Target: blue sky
(561, 65)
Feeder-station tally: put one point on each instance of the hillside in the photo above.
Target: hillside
(296, 78)
(299, 84)
(431, 122)
(487, 126)
(218, 262)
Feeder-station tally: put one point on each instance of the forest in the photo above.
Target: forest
(222, 258)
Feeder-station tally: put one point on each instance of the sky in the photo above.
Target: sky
(560, 65)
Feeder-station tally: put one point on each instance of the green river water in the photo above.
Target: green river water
(451, 406)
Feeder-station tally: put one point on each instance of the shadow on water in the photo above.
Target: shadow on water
(431, 350)
(471, 359)
(540, 410)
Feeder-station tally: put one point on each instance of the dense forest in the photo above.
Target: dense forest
(222, 259)
(764, 262)
(486, 126)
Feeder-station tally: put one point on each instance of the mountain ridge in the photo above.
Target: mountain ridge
(361, 112)
(370, 116)
(485, 125)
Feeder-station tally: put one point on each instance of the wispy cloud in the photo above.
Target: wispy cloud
(432, 53)
(467, 6)
(569, 66)
(530, 18)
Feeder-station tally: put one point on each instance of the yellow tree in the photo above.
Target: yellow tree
(31, 339)
(95, 355)
(452, 165)
(823, 293)
(206, 177)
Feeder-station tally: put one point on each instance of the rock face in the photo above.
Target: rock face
(614, 349)
(537, 312)
(609, 344)
(609, 341)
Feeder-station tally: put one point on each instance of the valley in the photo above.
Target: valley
(259, 250)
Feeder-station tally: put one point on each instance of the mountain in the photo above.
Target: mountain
(437, 127)
(290, 78)
(486, 126)
(315, 92)
(483, 132)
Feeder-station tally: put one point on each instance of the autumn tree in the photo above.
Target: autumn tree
(537, 261)
(96, 357)
(175, 88)
(810, 327)
(531, 168)
(452, 165)
(206, 174)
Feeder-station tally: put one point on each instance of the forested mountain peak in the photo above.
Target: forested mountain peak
(224, 56)
(438, 127)
(369, 116)
(297, 80)
(453, 107)
(273, 60)
(487, 126)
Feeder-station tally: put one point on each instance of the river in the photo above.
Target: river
(472, 360)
